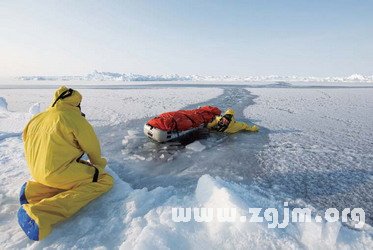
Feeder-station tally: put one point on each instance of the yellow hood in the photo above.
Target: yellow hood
(72, 100)
(56, 138)
(229, 112)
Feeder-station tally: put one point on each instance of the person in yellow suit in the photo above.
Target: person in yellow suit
(228, 124)
(54, 142)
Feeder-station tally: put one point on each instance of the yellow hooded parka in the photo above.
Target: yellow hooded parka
(62, 184)
(233, 126)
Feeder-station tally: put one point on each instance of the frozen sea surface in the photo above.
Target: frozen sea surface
(314, 150)
(320, 145)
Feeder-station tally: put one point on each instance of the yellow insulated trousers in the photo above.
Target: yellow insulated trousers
(48, 206)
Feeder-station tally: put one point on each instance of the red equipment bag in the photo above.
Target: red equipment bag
(184, 119)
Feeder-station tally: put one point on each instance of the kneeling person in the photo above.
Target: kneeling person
(54, 142)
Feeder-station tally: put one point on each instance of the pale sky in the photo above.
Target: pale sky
(243, 38)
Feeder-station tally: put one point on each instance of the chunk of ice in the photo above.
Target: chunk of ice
(196, 146)
(34, 109)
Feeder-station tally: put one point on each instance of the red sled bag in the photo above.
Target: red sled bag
(184, 119)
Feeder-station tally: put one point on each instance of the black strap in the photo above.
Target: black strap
(63, 95)
(80, 157)
(80, 108)
(95, 176)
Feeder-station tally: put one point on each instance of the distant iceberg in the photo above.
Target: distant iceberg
(102, 76)
(129, 77)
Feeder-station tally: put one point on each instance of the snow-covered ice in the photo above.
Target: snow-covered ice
(320, 145)
(314, 150)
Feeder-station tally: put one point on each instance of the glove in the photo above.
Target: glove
(253, 128)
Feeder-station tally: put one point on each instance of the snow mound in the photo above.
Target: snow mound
(3, 104)
(34, 109)
(196, 146)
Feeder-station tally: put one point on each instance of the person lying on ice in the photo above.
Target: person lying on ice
(228, 124)
(62, 184)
